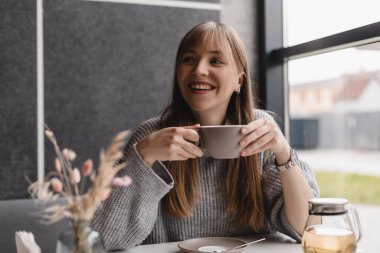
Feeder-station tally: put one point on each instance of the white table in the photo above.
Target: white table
(273, 244)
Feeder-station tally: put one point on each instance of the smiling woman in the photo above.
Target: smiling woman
(178, 192)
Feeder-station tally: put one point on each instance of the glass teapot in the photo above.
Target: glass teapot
(333, 226)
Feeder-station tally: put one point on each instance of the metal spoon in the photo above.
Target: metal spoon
(237, 247)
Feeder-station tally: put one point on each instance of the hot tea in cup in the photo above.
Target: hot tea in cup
(221, 142)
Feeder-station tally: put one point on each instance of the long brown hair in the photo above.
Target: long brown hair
(243, 184)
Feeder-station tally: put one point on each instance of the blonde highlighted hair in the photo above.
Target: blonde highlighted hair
(243, 182)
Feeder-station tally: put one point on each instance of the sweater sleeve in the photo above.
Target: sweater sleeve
(127, 217)
(272, 189)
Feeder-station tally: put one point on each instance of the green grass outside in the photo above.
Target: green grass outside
(356, 188)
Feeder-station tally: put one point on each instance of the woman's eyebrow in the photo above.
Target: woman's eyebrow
(216, 52)
(191, 51)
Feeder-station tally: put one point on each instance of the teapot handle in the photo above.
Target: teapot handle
(356, 222)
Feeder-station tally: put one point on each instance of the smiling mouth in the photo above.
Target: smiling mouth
(198, 86)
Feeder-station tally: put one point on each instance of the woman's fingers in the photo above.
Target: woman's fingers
(190, 135)
(256, 129)
(183, 154)
(187, 133)
(252, 126)
(264, 143)
(196, 126)
(181, 143)
(179, 157)
(262, 134)
(193, 149)
(254, 135)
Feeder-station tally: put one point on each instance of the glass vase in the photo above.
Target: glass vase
(80, 238)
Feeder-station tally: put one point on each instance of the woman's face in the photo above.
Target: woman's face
(207, 78)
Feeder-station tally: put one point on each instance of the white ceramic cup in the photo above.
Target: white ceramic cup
(222, 141)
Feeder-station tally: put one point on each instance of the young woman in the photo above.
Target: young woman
(177, 193)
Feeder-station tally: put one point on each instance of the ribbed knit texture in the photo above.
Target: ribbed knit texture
(133, 215)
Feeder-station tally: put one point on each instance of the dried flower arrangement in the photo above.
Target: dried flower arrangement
(69, 182)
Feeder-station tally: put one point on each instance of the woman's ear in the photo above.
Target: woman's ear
(237, 89)
(241, 78)
(240, 81)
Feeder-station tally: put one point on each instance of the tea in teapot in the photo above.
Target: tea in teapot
(332, 227)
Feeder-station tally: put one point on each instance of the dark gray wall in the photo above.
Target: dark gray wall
(18, 116)
(108, 66)
(240, 14)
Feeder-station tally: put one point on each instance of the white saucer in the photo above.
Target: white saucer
(209, 244)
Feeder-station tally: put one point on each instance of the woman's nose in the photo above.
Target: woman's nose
(200, 69)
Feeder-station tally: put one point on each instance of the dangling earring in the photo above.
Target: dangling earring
(237, 92)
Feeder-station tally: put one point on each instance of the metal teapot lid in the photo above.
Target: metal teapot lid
(329, 206)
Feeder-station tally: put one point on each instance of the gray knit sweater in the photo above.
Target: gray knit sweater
(133, 215)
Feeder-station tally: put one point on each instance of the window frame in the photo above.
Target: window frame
(273, 56)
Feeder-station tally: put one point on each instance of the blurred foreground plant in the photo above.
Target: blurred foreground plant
(69, 182)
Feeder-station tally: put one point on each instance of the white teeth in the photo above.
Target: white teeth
(201, 86)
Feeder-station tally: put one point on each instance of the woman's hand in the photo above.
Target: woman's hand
(170, 144)
(264, 134)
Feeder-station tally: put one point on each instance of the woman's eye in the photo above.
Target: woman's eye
(216, 61)
(188, 59)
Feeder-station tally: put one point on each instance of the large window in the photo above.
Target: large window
(314, 19)
(320, 64)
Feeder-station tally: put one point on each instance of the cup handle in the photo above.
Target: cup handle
(356, 222)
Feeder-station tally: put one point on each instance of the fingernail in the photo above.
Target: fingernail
(242, 143)
(243, 153)
(244, 130)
